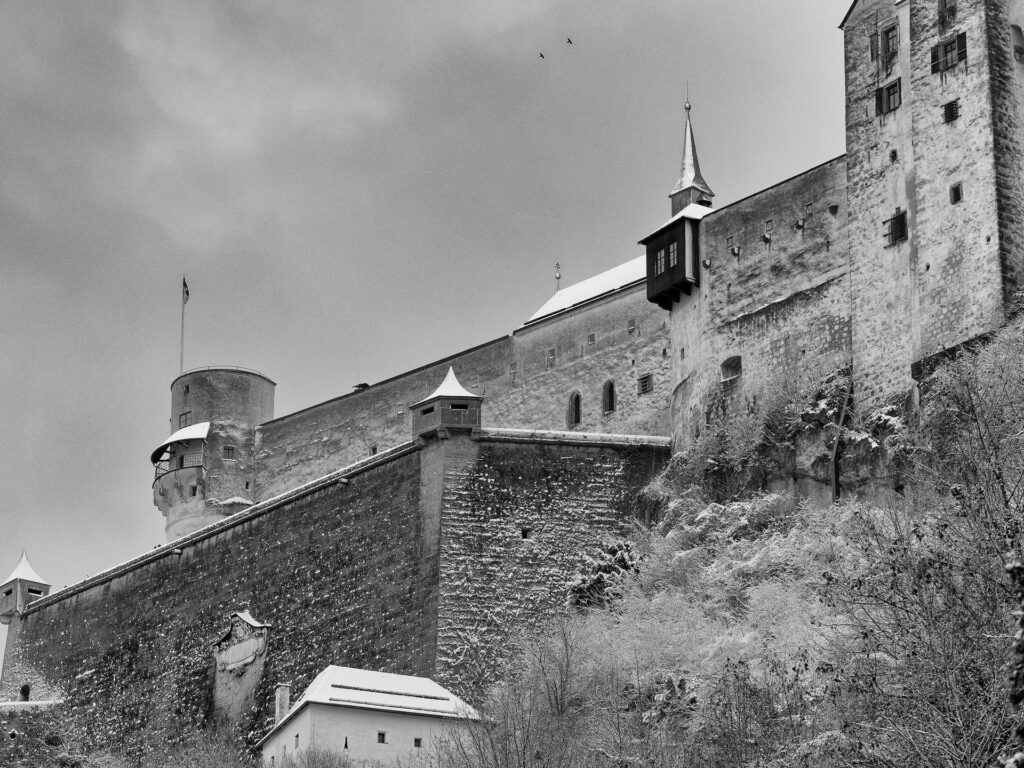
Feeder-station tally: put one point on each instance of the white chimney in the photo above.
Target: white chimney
(282, 701)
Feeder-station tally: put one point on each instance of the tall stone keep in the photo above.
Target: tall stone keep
(206, 469)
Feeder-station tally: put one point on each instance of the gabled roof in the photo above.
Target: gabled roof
(585, 290)
(694, 211)
(382, 691)
(847, 16)
(450, 387)
(192, 432)
(24, 571)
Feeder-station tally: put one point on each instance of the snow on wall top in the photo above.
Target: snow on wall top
(585, 290)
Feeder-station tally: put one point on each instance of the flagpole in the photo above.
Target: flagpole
(181, 361)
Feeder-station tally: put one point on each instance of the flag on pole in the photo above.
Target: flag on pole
(184, 291)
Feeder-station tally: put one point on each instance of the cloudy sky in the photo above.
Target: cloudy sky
(353, 188)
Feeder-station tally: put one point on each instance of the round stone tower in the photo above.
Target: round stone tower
(206, 469)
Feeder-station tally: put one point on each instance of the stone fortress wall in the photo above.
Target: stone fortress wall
(423, 560)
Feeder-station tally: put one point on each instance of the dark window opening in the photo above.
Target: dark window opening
(373, 450)
(732, 368)
(682, 353)
(185, 420)
(889, 97)
(512, 372)
(890, 45)
(956, 193)
(631, 326)
(346, 743)
(427, 411)
(417, 742)
(527, 533)
(947, 12)
(459, 407)
(24, 692)
(193, 490)
(36, 592)
(893, 156)
(949, 53)
(575, 414)
(673, 255)
(645, 384)
(895, 229)
(769, 225)
(1018, 42)
(951, 110)
(808, 209)
(296, 741)
(382, 737)
(8, 593)
(247, 485)
(186, 390)
(608, 397)
(591, 339)
(229, 453)
(659, 262)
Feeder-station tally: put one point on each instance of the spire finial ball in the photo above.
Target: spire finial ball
(686, 106)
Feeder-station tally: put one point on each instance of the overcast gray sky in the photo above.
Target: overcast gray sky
(353, 188)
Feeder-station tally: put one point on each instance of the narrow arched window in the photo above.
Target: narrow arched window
(24, 692)
(575, 414)
(608, 397)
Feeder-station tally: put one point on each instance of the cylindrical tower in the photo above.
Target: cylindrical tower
(206, 469)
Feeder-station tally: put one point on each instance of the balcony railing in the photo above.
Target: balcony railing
(180, 461)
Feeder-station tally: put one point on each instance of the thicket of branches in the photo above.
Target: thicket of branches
(756, 633)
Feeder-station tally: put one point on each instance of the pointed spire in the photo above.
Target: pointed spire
(24, 571)
(450, 387)
(691, 187)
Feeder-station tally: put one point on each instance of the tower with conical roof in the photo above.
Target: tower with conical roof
(19, 589)
(449, 407)
(691, 187)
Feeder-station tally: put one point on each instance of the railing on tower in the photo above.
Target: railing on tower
(180, 461)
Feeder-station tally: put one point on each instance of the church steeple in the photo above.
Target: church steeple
(691, 187)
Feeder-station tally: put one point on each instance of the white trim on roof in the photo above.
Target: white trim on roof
(450, 387)
(24, 571)
(585, 290)
(193, 432)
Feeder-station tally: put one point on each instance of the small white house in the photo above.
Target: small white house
(366, 716)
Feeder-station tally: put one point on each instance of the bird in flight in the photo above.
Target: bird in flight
(568, 41)
(542, 55)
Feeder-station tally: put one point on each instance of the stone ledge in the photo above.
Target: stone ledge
(492, 435)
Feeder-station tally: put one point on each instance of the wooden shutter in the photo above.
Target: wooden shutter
(879, 101)
(936, 58)
(961, 47)
(873, 41)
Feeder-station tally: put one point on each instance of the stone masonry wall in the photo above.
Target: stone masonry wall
(339, 572)
(782, 306)
(521, 513)
(296, 448)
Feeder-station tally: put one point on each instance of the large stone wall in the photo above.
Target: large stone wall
(349, 569)
(301, 446)
(782, 305)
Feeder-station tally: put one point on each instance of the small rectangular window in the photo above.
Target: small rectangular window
(185, 420)
(947, 54)
(808, 209)
(229, 453)
(873, 45)
(37, 592)
(8, 593)
(591, 339)
(682, 354)
(673, 255)
(956, 193)
(659, 262)
(889, 97)
(512, 371)
(729, 242)
(417, 742)
(193, 490)
(645, 384)
(551, 358)
(296, 741)
(527, 533)
(951, 110)
(890, 44)
(631, 326)
(895, 229)
(373, 450)
(769, 225)
(382, 737)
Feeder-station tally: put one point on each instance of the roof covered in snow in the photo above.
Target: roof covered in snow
(24, 571)
(585, 290)
(192, 432)
(450, 387)
(364, 689)
(692, 211)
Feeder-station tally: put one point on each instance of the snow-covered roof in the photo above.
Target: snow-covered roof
(364, 689)
(24, 571)
(692, 211)
(450, 387)
(585, 290)
(193, 432)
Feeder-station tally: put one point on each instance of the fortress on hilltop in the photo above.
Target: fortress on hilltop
(412, 525)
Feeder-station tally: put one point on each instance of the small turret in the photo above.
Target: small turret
(19, 589)
(691, 187)
(450, 406)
